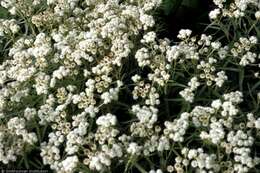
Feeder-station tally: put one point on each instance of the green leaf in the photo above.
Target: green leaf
(3, 13)
(190, 3)
(241, 78)
(170, 6)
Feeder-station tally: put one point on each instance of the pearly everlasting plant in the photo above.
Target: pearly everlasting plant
(90, 86)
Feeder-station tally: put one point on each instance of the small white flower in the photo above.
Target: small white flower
(214, 13)
(133, 148)
(106, 120)
(184, 33)
(216, 104)
(69, 163)
(149, 37)
(257, 15)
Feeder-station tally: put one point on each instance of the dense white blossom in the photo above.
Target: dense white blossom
(91, 85)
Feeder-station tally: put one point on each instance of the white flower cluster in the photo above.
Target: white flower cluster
(104, 159)
(145, 91)
(184, 34)
(198, 159)
(92, 84)
(221, 78)
(69, 163)
(147, 117)
(216, 133)
(252, 121)
(149, 37)
(8, 27)
(134, 149)
(177, 129)
(187, 93)
(214, 13)
(13, 138)
(156, 171)
(20, 6)
(112, 94)
(236, 9)
(97, 35)
(99, 162)
(240, 144)
(106, 120)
